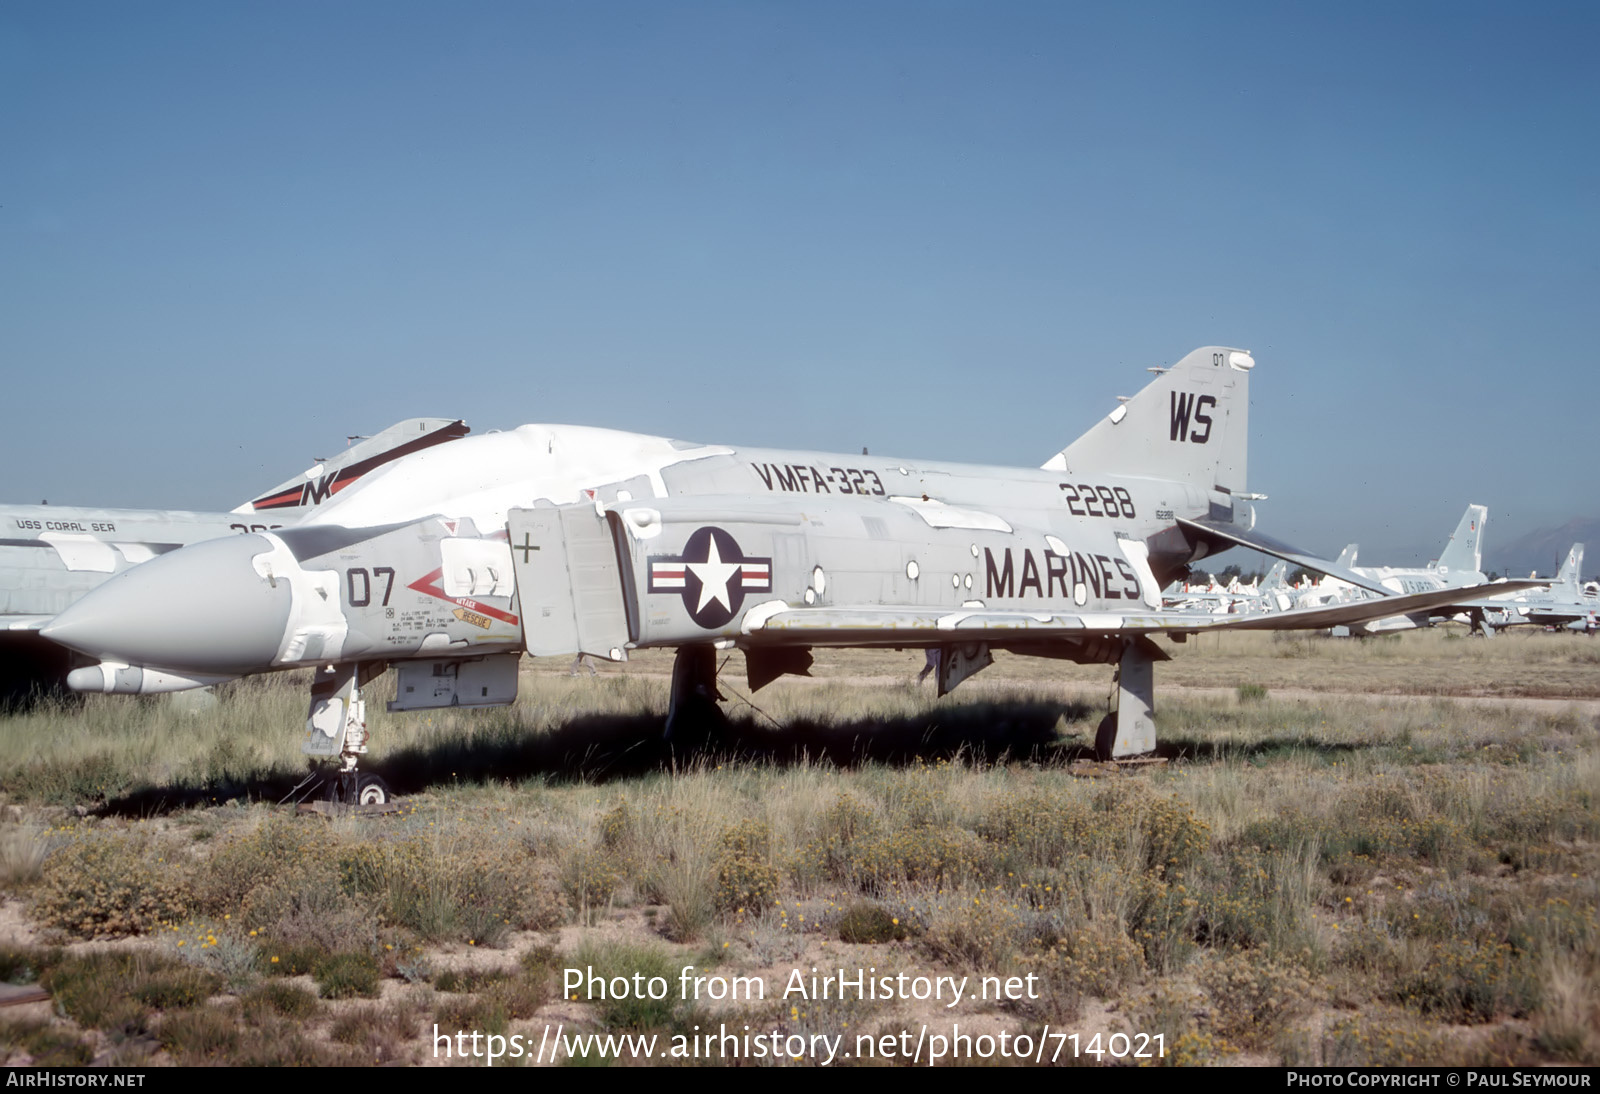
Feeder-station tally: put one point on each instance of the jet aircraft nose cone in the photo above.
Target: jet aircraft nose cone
(202, 608)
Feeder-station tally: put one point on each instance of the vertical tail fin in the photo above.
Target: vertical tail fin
(1569, 577)
(306, 491)
(1347, 557)
(1276, 579)
(1190, 423)
(1464, 552)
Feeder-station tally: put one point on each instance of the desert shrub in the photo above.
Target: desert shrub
(176, 988)
(1171, 1009)
(1250, 899)
(1097, 959)
(912, 801)
(746, 878)
(120, 990)
(44, 1044)
(343, 975)
(1162, 919)
(1464, 980)
(284, 854)
(827, 856)
(1254, 996)
(975, 933)
(1381, 1039)
(589, 878)
(616, 826)
(290, 958)
(207, 1035)
(288, 1000)
(466, 1013)
(1174, 837)
(615, 959)
(104, 887)
(382, 1031)
(471, 889)
(520, 996)
(744, 884)
(25, 964)
(939, 858)
(865, 922)
(467, 981)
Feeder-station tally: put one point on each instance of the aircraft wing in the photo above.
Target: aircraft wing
(1231, 535)
(887, 626)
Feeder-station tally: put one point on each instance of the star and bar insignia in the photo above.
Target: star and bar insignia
(712, 575)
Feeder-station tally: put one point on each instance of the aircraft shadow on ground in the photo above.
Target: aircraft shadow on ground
(602, 748)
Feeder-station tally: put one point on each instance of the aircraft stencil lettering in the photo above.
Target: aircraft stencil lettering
(1185, 404)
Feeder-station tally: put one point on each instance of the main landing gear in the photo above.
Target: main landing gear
(694, 691)
(1129, 730)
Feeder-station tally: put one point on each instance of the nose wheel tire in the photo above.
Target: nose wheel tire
(367, 790)
(372, 790)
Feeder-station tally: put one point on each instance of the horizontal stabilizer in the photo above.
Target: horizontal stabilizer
(1364, 611)
(1230, 535)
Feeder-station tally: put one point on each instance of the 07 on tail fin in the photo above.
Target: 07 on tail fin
(1190, 423)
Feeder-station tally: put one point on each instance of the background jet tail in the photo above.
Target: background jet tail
(1190, 423)
(326, 478)
(1464, 552)
(1276, 579)
(1347, 557)
(1569, 577)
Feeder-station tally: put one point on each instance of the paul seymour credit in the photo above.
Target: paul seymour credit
(722, 1023)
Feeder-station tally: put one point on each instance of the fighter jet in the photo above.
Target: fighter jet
(1568, 602)
(51, 555)
(1459, 566)
(556, 540)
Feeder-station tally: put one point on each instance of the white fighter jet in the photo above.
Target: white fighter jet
(553, 540)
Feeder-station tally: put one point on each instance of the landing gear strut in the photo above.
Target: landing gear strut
(694, 690)
(1130, 728)
(336, 727)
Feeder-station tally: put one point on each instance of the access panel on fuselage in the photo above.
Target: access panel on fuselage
(568, 582)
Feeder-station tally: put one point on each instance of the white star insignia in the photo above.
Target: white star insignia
(714, 575)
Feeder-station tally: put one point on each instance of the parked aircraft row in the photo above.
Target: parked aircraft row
(1565, 601)
(449, 562)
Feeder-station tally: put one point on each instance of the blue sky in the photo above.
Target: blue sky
(232, 234)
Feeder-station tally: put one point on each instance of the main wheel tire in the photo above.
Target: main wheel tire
(1105, 738)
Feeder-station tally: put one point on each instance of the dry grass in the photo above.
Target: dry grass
(1360, 880)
